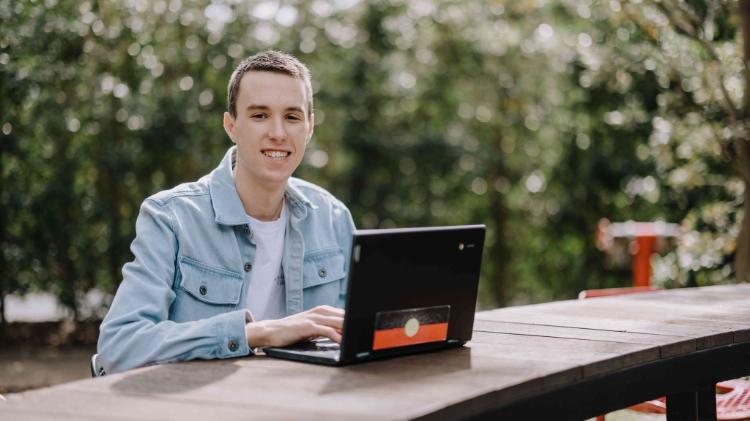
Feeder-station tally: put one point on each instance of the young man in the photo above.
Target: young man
(245, 257)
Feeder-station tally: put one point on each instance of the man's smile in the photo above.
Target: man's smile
(276, 154)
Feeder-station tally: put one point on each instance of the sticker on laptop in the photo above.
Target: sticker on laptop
(399, 328)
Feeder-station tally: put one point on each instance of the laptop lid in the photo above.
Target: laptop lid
(411, 289)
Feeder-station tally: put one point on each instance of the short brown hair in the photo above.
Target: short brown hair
(269, 61)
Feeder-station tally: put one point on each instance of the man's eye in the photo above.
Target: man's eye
(293, 117)
(259, 116)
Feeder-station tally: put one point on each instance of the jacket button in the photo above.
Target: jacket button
(233, 345)
(248, 267)
(203, 290)
(323, 273)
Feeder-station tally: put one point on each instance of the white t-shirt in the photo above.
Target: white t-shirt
(265, 293)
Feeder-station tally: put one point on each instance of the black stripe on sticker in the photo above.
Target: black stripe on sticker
(425, 315)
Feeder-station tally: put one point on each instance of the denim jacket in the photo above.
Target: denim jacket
(183, 295)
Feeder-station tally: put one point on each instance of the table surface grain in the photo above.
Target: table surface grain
(515, 353)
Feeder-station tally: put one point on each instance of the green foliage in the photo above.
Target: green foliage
(681, 64)
(536, 120)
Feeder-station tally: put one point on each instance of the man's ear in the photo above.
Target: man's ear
(312, 128)
(229, 125)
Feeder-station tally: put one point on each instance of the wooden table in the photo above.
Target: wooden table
(560, 360)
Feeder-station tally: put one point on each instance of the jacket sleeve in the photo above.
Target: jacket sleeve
(137, 330)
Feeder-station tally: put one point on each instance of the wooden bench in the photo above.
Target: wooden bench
(561, 360)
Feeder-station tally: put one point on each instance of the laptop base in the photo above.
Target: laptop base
(318, 351)
(315, 357)
(302, 353)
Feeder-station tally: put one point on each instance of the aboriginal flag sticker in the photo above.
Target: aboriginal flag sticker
(399, 328)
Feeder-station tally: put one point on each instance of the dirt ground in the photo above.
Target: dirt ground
(34, 355)
(23, 368)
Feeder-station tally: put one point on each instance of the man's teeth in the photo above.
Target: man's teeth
(276, 154)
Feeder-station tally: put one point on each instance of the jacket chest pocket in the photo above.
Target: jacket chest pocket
(205, 291)
(322, 274)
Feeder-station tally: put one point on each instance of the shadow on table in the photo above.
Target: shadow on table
(170, 378)
(423, 367)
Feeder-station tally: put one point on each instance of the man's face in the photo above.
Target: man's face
(271, 129)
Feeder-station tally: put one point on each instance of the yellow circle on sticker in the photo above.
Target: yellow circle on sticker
(411, 327)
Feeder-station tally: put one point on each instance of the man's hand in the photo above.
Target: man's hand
(324, 321)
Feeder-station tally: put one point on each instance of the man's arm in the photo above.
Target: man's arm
(136, 330)
(324, 321)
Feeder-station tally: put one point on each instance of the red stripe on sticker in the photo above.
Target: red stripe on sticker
(394, 338)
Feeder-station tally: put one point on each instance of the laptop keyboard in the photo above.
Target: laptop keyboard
(325, 348)
(318, 345)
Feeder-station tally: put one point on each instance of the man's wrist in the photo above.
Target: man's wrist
(257, 335)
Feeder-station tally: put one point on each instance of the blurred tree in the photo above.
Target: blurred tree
(536, 119)
(697, 53)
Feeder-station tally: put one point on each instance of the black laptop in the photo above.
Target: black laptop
(409, 290)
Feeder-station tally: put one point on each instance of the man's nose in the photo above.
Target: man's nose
(277, 131)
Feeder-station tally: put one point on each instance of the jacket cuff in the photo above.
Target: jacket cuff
(233, 341)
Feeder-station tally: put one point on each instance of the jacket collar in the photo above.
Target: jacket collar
(228, 209)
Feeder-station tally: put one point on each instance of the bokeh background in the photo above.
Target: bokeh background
(535, 117)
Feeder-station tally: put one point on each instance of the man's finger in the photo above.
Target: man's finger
(328, 310)
(335, 322)
(329, 333)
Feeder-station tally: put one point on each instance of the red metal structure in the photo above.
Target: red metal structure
(644, 240)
